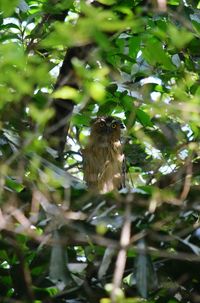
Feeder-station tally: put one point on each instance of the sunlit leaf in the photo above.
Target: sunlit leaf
(97, 91)
(107, 2)
(41, 116)
(67, 92)
(13, 185)
(7, 7)
(179, 37)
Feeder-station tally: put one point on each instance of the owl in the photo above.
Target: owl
(103, 158)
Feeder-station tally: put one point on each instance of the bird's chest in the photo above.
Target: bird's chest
(107, 157)
(103, 166)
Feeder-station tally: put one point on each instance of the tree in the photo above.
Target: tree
(62, 64)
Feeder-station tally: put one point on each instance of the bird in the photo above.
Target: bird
(103, 157)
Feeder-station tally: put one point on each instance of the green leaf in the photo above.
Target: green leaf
(41, 116)
(154, 53)
(67, 92)
(196, 26)
(10, 25)
(143, 118)
(13, 185)
(134, 46)
(179, 37)
(128, 103)
(174, 2)
(7, 7)
(81, 119)
(97, 91)
(107, 2)
(134, 169)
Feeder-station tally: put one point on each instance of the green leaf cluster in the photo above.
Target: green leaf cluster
(134, 60)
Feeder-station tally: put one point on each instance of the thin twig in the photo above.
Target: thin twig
(188, 179)
(121, 257)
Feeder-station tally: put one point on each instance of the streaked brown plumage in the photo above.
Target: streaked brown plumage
(103, 156)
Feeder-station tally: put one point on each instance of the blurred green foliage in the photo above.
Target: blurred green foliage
(132, 59)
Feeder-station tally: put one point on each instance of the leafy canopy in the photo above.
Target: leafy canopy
(67, 61)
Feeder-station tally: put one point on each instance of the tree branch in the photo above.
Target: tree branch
(121, 258)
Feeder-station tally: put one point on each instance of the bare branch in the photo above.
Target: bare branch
(121, 258)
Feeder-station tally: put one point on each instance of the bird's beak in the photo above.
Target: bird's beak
(108, 130)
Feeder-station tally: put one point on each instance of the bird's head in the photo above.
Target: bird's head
(107, 126)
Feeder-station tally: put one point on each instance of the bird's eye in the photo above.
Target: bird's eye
(114, 125)
(101, 124)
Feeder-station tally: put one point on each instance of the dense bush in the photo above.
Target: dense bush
(63, 63)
